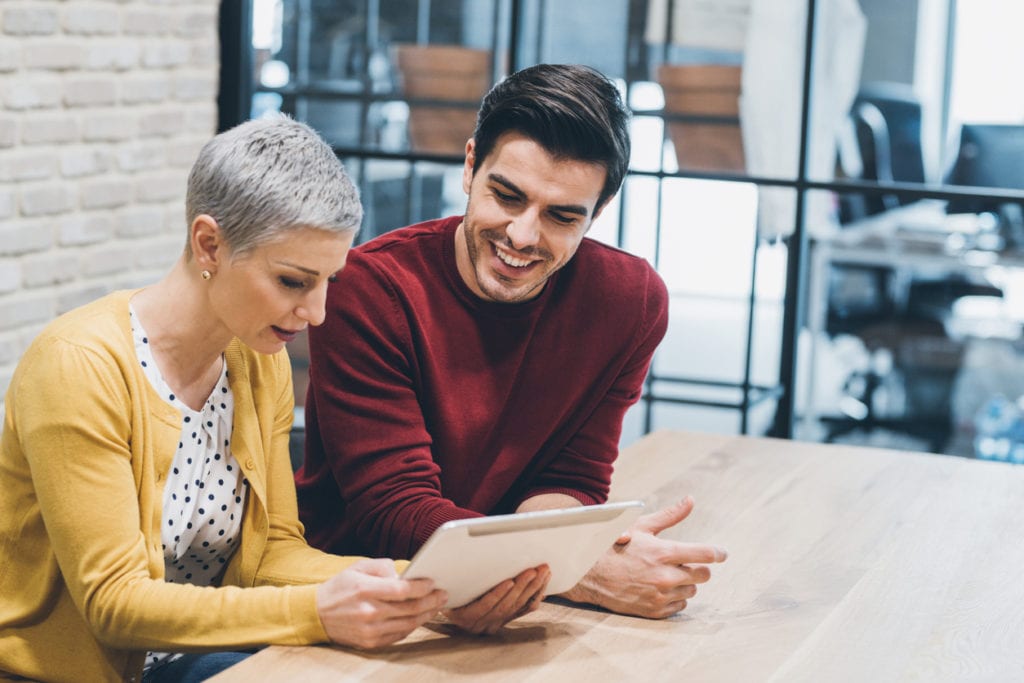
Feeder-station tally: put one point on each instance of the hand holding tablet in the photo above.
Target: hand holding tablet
(468, 557)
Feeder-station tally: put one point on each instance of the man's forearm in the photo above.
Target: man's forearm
(548, 501)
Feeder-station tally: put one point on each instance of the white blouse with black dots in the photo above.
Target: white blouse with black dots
(205, 490)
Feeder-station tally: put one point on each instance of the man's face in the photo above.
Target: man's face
(526, 215)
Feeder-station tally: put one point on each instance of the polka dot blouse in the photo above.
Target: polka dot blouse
(204, 491)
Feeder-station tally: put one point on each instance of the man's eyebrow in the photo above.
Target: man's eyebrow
(509, 185)
(304, 269)
(578, 209)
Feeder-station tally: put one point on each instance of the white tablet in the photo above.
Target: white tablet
(468, 557)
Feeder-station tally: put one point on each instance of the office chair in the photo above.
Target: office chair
(990, 155)
(900, 320)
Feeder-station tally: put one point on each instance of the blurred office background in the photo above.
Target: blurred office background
(806, 301)
(832, 189)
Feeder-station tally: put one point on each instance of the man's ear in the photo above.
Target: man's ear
(467, 165)
(207, 243)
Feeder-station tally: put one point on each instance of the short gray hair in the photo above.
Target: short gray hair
(267, 176)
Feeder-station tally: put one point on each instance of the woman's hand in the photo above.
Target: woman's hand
(368, 605)
(508, 600)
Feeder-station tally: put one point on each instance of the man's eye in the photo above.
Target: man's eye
(504, 196)
(563, 219)
(291, 283)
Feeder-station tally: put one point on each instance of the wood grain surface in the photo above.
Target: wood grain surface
(845, 564)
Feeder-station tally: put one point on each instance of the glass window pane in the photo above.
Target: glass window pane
(366, 83)
(878, 96)
(409, 76)
(397, 193)
(444, 85)
(598, 36)
(695, 417)
(338, 121)
(701, 109)
(731, 73)
(707, 236)
(706, 256)
(910, 326)
(987, 47)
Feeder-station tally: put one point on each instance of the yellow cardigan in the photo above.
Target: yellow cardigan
(85, 446)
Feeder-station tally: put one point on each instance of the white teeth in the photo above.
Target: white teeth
(514, 262)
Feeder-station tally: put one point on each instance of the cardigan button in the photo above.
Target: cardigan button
(250, 464)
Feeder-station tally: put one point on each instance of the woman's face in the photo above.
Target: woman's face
(269, 294)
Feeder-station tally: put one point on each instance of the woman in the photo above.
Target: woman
(148, 507)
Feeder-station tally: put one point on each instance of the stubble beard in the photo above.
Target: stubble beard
(478, 246)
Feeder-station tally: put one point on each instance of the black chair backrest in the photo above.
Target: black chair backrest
(875, 146)
(886, 119)
(902, 112)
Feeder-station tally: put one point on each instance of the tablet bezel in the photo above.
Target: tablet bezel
(505, 545)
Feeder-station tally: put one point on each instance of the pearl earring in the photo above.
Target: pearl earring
(206, 275)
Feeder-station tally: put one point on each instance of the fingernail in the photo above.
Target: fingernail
(721, 554)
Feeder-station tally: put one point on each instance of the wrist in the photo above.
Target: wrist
(320, 597)
(581, 592)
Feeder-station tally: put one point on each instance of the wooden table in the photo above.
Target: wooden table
(846, 564)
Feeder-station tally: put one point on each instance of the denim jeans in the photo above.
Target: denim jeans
(193, 668)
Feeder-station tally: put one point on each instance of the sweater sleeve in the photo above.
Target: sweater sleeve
(368, 421)
(287, 558)
(74, 423)
(583, 468)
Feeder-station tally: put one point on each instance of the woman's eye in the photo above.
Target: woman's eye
(291, 283)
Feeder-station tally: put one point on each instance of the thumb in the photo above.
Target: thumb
(656, 522)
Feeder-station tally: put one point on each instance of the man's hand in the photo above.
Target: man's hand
(367, 605)
(645, 575)
(508, 600)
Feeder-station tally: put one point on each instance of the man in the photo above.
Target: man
(483, 364)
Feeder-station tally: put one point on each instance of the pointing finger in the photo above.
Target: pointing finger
(667, 517)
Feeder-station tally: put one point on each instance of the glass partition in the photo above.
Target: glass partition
(388, 75)
(731, 76)
(929, 102)
(764, 201)
(914, 322)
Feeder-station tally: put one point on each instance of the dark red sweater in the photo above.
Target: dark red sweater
(428, 404)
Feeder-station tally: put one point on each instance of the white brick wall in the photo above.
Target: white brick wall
(103, 106)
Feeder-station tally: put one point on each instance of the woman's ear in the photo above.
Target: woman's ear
(207, 243)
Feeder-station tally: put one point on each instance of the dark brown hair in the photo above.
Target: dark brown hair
(572, 111)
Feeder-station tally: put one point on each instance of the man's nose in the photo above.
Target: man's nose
(524, 230)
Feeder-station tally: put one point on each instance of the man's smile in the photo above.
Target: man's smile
(510, 258)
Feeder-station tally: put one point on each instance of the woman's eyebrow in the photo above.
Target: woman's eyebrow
(296, 266)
